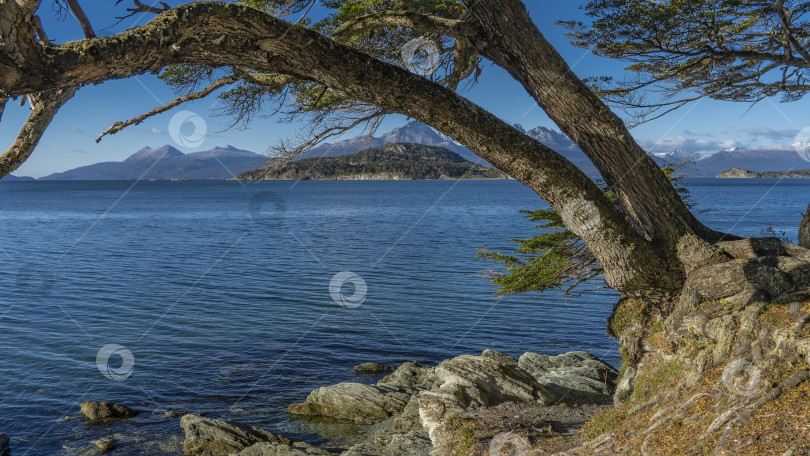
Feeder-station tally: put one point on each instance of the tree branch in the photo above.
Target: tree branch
(118, 126)
(407, 19)
(82, 18)
(44, 106)
(43, 38)
(784, 19)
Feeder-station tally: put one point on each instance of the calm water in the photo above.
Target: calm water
(221, 293)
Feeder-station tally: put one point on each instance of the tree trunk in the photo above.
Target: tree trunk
(509, 37)
(804, 230)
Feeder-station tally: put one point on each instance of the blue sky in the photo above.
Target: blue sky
(705, 126)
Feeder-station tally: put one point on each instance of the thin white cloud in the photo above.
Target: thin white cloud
(157, 131)
(693, 145)
(76, 130)
(771, 134)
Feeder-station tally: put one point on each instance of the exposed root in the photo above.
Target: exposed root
(726, 371)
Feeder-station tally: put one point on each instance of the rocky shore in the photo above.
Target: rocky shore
(490, 404)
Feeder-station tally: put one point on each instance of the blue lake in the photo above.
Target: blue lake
(221, 293)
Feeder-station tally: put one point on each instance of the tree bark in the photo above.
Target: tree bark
(804, 230)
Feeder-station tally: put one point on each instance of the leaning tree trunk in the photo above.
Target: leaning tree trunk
(507, 35)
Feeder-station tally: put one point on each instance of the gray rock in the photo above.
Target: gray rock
(488, 380)
(209, 437)
(278, 449)
(4, 445)
(571, 375)
(408, 420)
(356, 402)
(104, 445)
(469, 382)
(106, 410)
(408, 376)
(373, 368)
(490, 353)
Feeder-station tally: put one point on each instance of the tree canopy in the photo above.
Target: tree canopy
(680, 51)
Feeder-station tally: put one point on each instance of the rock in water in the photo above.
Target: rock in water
(575, 375)
(356, 402)
(106, 410)
(372, 368)
(408, 376)
(4, 445)
(104, 445)
(209, 437)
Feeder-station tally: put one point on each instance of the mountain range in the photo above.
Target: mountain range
(169, 163)
(225, 162)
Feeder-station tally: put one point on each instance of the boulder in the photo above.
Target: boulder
(4, 445)
(278, 449)
(373, 368)
(209, 437)
(356, 402)
(482, 381)
(106, 410)
(408, 376)
(467, 383)
(574, 375)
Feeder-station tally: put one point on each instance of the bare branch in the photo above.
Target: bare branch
(2, 106)
(140, 7)
(118, 126)
(82, 18)
(318, 133)
(43, 38)
(44, 106)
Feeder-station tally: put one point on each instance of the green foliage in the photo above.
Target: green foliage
(556, 257)
(737, 50)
